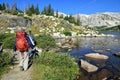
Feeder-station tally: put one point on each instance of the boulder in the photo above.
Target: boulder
(97, 56)
(116, 40)
(88, 67)
(65, 23)
(59, 44)
(108, 49)
(104, 74)
(117, 54)
(67, 45)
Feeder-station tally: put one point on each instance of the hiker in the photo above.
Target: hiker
(22, 46)
(32, 43)
(31, 40)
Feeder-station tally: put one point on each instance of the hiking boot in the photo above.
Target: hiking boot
(21, 68)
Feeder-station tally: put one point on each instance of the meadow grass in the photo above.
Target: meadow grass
(54, 66)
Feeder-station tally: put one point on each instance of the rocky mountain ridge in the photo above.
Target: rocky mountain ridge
(12, 21)
(107, 19)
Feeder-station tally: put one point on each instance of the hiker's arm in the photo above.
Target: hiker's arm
(15, 46)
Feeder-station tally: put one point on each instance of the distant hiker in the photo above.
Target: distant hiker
(22, 46)
(31, 40)
(32, 43)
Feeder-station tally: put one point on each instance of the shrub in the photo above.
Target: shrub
(67, 33)
(14, 12)
(5, 61)
(54, 66)
(7, 40)
(28, 18)
(8, 11)
(45, 42)
(2, 37)
(20, 14)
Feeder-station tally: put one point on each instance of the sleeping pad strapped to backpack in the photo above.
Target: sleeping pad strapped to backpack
(21, 42)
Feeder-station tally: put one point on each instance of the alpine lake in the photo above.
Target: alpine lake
(107, 69)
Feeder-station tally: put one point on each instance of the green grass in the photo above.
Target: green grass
(54, 66)
(5, 58)
(45, 42)
(4, 70)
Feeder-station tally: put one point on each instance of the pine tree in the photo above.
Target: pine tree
(3, 6)
(0, 6)
(57, 14)
(44, 10)
(78, 19)
(70, 18)
(49, 9)
(52, 12)
(32, 9)
(61, 16)
(37, 10)
(29, 12)
(66, 17)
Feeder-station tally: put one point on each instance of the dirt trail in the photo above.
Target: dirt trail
(16, 74)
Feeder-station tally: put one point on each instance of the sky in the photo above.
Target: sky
(71, 6)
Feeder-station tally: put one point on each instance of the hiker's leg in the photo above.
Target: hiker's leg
(21, 58)
(26, 59)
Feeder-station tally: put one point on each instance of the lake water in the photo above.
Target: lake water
(103, 45)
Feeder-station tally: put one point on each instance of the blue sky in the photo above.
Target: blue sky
(72, 6)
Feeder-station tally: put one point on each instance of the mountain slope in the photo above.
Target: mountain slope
(107, 19)
(36, 23)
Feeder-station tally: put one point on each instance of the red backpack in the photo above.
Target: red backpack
(21, 42)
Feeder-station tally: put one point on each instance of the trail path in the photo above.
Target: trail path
(16, 74)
